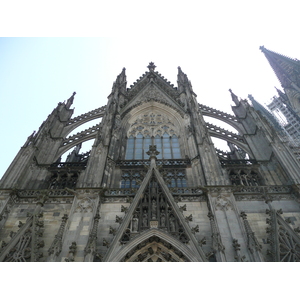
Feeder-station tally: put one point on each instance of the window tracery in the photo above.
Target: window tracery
(132, 178)
(247, 177)
(152, 129)
(61, 180)
(175, 177)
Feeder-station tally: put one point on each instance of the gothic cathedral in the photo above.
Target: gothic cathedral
(153, 187)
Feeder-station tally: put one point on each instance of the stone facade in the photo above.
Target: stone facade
(153, 187)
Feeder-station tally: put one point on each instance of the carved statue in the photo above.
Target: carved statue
(172, 224)
(163, 219)
(145, 219)
(135, 222)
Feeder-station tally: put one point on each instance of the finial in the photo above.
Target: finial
(152, 151)
(74, 94)
(262, 48)
(151, 66)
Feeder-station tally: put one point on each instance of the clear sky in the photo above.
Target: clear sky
(215, 44)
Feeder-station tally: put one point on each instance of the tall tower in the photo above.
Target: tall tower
(286, 106)
(287, 71)
(153, 187)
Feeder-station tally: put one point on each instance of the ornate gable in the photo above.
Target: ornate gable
(152, 87)
(154, 213)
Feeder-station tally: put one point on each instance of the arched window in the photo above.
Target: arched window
(167, 145)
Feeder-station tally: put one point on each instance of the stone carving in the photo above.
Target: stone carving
(217, 242)
(154, 207)
(105, 243)
(156, 250)
(163, 218)
(145, 218)
(22, 251)
(119, 219)
(237, 248)
(172, 224)
(90, 247)
(297, 229)
(86, 201)
(285, 243)
(112, 230)
(135, 223)
(71, 254)
(124, 209)
(195, 229)
(223, 203)
(182, 208)
(56, 245)
(252, 242)
(152, 151)
(202, 242)
(189, 218)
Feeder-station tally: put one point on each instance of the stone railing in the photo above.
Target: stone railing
(43, 193)
(68, 165)
(242, 162)
(159, 162)
(186, 190)
(275, 189)
(120, 192)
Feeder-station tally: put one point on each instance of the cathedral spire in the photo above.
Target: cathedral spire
(286, 69)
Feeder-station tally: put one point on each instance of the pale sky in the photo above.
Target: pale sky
(215, 44)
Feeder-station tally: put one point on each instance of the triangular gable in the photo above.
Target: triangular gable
(153, 207)
(152, 87)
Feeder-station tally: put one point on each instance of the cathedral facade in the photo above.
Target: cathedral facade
(153, 187)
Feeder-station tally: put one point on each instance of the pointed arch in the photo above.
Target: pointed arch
(155, 238)
(158, 125)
